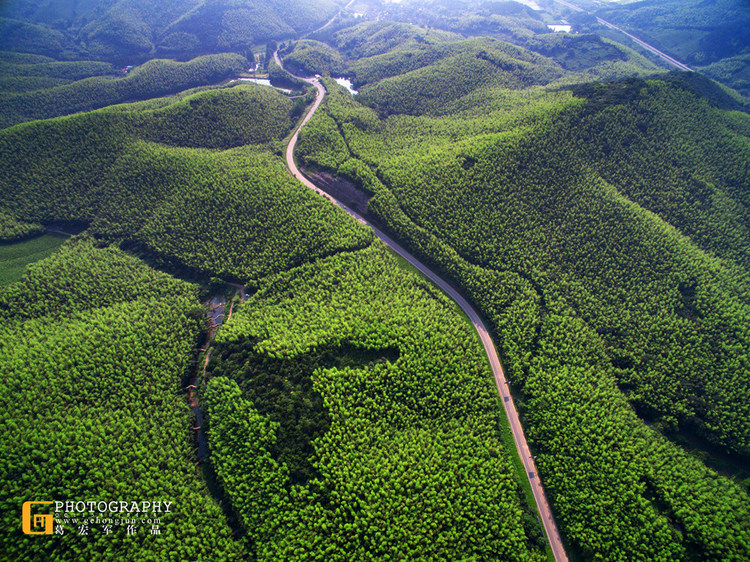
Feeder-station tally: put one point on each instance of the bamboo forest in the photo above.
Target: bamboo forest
(375, 280)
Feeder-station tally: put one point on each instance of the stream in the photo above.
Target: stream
(215, 317)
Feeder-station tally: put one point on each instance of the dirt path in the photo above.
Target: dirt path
(550, 527)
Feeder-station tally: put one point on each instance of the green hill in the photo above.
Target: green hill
(401, 68)
(712, 36)
(154, 78)
(233, 214)
(130, 31)
(224, 118)
(313, 57)
(376, 38)
(603, 234)
(35, 39)
(594, 208)
(470, 65)
(372, 432)
(96, 346)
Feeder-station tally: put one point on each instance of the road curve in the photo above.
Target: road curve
(550, 527)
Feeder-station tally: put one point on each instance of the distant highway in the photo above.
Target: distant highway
(664, 56)
(330, 21)
(550, 527)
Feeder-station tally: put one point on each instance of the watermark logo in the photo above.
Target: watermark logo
(98, 516)
(42, 522)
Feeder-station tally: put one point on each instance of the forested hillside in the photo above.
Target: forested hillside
(161, 177)
(21, 72)
(144, 175)
(712, 36)
(313, 57)
(592, 206)
(590, 47)
(372, 432)
(95, 346)
(602, 230)
(155, 78)
(59, 57)
(511, 21)
(128, 31)
(400, 68)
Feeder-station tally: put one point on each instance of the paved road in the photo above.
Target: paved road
(651, 48)
(330, 21)
(543, 508)
(663, 56)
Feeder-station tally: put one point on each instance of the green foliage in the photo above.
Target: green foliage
(376, 38)
(25, 37)
(236, 214)
(224, 26)
(604, 238)
(321, 144)
(510, 21)
(383, 49)
(238, 25)
(427, 89)
(591, 55)
(10, 57)
(412, 463)
(131, 31)
(621, 489)
(417, 77)
(734, 71)
(81, 276)
(282, 79)
(282, 390)
(218, 119)
(601, 229)
(20, 84)
(240, 439)
(12, 229)
(313, 57)
(93, 409)
(156, 77)
(25, 76)
(712, 36)
(118, 31)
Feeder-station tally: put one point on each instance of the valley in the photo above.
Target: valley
(470, 281)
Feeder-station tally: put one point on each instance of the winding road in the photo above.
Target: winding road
(550, 527)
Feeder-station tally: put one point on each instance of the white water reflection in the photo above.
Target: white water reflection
(346, 83)
(531, 4)
(262, 82)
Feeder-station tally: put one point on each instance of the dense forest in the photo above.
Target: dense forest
(313, 57)
(130, 31)
(593, 206)
(711, 36)
(352, 414)
(375, 51)
(143, 174)
(65, 56)
(95, 346)
(601, 229)
(395, 332)
(152, 79)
